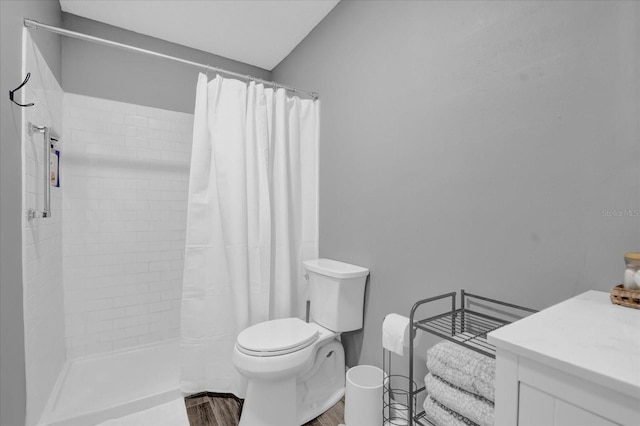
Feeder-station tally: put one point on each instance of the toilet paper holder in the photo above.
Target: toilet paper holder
(395, 394)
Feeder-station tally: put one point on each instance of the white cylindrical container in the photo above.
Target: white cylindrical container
(632, 272)
(363, 398)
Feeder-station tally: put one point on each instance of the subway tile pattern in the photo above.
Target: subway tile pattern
(45, 351)
(125, 175)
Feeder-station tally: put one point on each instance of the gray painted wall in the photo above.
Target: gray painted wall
(106, 72)
(481, 145)
(12, 361)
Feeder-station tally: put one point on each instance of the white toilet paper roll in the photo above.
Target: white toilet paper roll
(395, 333)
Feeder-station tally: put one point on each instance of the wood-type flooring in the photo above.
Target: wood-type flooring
(223, 410)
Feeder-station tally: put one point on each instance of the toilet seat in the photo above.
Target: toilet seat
(276, 337)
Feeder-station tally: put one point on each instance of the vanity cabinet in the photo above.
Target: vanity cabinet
(574, 364)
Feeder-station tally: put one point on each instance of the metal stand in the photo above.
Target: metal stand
(395, 395)
(465, 326)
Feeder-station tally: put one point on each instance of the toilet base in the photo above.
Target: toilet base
(263, 404)
(324, 385)
(296, 400)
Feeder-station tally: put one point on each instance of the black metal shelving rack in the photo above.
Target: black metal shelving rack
(464, 326)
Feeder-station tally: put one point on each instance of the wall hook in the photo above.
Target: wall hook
(11, 92)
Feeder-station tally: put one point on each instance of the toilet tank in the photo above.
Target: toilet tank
(336, 293)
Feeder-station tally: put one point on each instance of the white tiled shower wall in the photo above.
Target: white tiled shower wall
(42, 240)
(125, 172)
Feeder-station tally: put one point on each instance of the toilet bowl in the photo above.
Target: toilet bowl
(295, 370)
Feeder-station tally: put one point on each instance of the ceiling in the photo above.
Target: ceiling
(257, 32)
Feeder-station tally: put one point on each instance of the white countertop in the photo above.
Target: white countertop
(587, 336)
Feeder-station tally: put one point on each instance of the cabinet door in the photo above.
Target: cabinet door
(537, 408)
(569, 415)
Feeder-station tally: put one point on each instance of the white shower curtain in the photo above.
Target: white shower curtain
(252, 219)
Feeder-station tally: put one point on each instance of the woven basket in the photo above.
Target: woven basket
(625, 297)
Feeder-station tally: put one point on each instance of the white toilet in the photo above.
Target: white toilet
(295, 370)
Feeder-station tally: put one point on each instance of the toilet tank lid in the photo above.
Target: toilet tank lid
(335, 269)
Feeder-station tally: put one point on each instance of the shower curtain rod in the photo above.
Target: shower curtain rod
(30, 23)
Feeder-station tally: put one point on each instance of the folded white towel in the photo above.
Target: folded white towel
(437, 414)
(477, 409)
(395, 333)
(463, 368)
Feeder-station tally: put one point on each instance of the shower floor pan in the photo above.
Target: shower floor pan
(95, 389)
